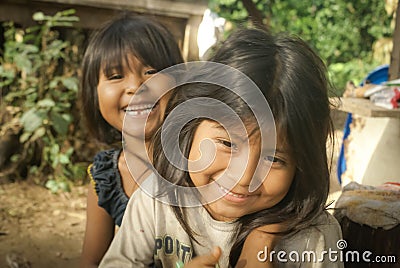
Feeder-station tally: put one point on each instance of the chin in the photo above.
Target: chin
(226, 215)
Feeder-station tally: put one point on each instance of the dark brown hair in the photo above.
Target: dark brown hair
(109, 47)
(294, 80)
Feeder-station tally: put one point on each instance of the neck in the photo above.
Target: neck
(137, 157)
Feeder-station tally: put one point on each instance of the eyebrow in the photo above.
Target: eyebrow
(110, 68)
(217, 126)
(233, 135)
(277, 150)
(281, 151)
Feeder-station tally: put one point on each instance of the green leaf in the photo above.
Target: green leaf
(63, 24)
(67, 117)
(52, 185)
(46, 103)
(8, 73)
(30, 99)
(38, 16)
(24, 137)
(33, 29)
(40, 132)
(30, 49)
(53, 83)
(58, 185)
(55, 149)
(54, 163)
(79, 171)
(60, 123)
(71, 83)
(64, 159)
(23, 62)
(14, 158)
(64, 186)
(31, 120)
(69, 151)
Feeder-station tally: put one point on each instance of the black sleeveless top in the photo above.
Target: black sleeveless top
(108, 183)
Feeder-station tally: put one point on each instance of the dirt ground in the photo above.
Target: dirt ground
(46, 230)
(41, 228)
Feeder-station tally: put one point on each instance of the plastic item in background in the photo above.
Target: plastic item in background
(386, 98)
(378, 75)
(384, 85)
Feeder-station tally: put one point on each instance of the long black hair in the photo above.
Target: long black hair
(294, 80)
(110, 47)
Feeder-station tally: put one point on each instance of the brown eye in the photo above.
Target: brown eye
(274, 159)
(229, 144)
(150, 72)
(115, 77)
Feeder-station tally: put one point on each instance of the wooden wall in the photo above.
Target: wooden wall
(181, 18)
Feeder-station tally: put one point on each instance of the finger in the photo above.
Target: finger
(212, 258)
(209, 260)
(216, 252)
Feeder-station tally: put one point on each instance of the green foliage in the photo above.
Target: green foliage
(38, 74)
(342, 32)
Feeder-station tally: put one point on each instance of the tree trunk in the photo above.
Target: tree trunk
(394, 69)
(255, 15)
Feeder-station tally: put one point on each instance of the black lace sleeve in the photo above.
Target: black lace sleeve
(107, 183)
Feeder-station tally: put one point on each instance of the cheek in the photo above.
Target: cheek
(277, 184)
(163, 102)
(105, 97)
(199, 179)
(103, 103)
(202, 156)
(204, 170)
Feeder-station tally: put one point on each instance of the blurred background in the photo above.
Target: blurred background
(44, 151)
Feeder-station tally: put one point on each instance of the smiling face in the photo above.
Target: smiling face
(224, 155)
(116, 101)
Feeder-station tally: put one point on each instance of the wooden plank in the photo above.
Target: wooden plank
(180, 9)
(363, 107)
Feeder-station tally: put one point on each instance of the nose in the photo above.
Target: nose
(250, 170)
(243, 168)
(135, 85)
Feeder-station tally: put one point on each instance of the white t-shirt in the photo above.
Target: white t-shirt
(150, 234)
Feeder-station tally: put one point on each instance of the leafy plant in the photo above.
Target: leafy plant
(39, 75)
(343, 32)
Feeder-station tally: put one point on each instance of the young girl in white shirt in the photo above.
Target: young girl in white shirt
(248, 188)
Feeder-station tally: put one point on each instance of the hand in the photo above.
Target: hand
(209, 260)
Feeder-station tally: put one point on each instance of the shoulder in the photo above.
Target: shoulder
(311, 245)
(146, 211)
(107, 183)
(104, 170)
(325, 231)
(327, 226)
(104, 160)
(145, 198)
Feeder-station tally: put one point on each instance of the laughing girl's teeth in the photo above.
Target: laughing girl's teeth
(230, 193)
(139, 109)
